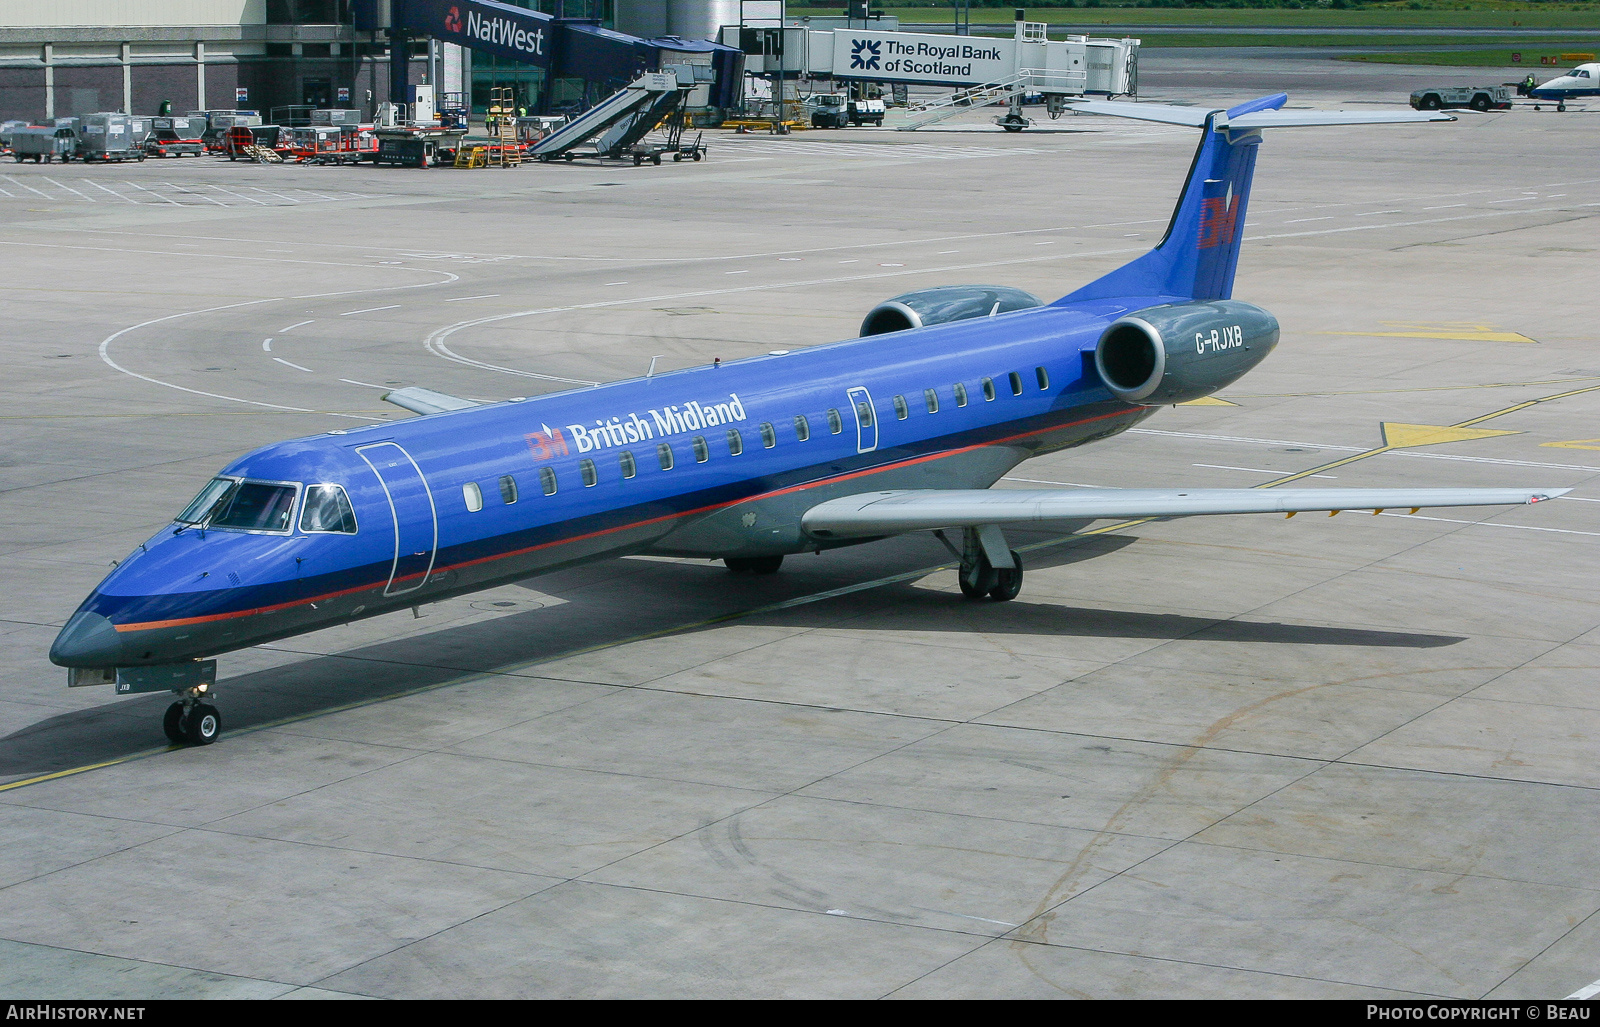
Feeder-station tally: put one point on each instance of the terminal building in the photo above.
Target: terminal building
(72, 57)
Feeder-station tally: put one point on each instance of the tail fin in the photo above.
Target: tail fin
(1197, 257)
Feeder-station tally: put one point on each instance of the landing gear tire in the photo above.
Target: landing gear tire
(202, 725)
(978, 581)
(1561, 106)
(754, 564)
(1007, 582)
(172, 723)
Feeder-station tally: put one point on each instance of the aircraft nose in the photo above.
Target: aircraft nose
(87, 640)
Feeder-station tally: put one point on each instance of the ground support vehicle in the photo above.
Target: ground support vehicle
(175, 137)
(416, 147)
(1479, 98)
(43, 143)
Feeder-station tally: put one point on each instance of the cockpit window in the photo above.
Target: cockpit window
(196, 511)
(251, 506)
(327, 509)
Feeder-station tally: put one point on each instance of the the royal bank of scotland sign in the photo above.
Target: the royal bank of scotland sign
(934, 60)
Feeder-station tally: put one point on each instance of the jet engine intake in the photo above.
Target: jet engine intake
(944, 303)
(1179, 352)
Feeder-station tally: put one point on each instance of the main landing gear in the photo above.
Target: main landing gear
(988, 568)
(189, 721)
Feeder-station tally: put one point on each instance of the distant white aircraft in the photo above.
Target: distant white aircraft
(1584, 80)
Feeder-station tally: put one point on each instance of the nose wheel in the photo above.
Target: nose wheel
(190, 722)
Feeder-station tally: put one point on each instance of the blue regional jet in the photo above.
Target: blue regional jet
(745, 462)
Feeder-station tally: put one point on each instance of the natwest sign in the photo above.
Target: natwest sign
(485, 26)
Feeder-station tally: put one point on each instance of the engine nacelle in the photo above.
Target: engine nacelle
(944, 303)
(1183, 351)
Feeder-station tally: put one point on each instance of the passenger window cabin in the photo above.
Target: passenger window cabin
(629, 466)
(1016, 384)
(931, 398)
(769, 435)
(547, 480)
(702, 452)
(735, 442)
(1043, 378)
(988, 390)
(802, 427)
(901, 411)
(588, 471)
(664, 456)
(473, 495)
(835, 422)
(508, 489)
(961, 395)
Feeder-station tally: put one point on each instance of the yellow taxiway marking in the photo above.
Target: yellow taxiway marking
(1424, 388)
(79, 770)
(1462, 331)
(1433, 434)
(1574, 444)
(1208, 401)
(1407, 436)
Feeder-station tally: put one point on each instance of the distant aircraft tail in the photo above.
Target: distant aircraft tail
(1197, 257)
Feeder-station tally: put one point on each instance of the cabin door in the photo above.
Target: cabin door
(416, 522)
(866, 420)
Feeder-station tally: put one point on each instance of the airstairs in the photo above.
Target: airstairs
(621, 119)
(1009, 91)
(934, 111)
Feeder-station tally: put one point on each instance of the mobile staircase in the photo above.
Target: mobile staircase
(1009, 92)
(619, 121)
(934, 111)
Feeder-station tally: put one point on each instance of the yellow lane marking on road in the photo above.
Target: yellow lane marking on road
(1208, 401)
(1574, 444)
(787, 604)
(1462, 331)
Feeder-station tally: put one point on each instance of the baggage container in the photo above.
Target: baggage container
(335, 116)
(44, 143)
(108, 137)
(176, 137)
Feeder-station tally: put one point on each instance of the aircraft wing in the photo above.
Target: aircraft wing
(873, 514)
(426, 401)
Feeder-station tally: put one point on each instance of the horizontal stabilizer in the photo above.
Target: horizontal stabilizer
(426, 401)
(888, 513)
(1195, 117)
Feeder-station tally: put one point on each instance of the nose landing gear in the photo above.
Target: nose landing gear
(189, 721)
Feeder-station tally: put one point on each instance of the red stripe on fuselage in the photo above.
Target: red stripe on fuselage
(152, 625)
